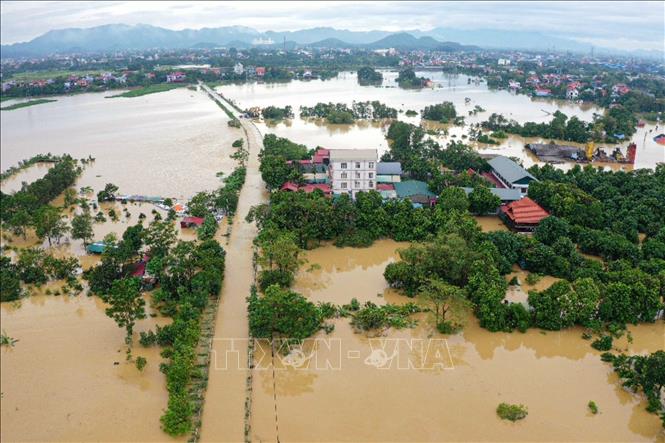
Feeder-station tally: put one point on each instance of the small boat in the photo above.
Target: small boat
(660, 139)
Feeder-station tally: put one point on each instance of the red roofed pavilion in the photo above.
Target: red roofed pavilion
(523, 215)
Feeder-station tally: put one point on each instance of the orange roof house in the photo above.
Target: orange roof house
(523, 215)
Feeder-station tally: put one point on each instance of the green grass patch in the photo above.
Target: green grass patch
(26, 104)
(511, 412)
(152, 89)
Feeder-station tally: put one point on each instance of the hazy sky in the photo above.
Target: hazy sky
(625, 25)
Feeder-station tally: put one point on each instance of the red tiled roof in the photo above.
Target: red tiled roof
(492, 179)
(192, 220)
(290, 186)
(524, 211)
(139, 269)
(321, 154)
(385, 187)
(311, 187)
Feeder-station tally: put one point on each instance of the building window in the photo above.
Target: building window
(356, 184)
(343, 185)
(357, 174)
(371, 184)
(371, 175)
(371, 165)
(345, 175)
(343, 166)
(357, 165)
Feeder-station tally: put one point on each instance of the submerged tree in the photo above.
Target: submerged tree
(126, 305)
(49, 224)
(82, 227)
(447, 302)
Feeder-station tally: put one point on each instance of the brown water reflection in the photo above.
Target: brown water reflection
(554, 373)
(345, 89)
(170, 144)
(56, 391)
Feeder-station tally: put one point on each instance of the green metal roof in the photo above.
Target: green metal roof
(410, 188)
(96, 248)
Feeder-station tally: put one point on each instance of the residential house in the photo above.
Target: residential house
(506, 195)
(353, 170)
(523, 215)
(388, 172)
(415, 190)
(260, 71)
(387, 190)
(542, 92)
(176, 77)
(96, 248)
(307, 188)
(620, 89)
(572, 93)
(510, 174)
(191, 222)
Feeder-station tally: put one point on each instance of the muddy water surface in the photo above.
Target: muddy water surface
(452, 390)
(170, 144)
(60, 381)
(345, 89)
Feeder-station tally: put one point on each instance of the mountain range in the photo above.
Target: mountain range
(141, 37)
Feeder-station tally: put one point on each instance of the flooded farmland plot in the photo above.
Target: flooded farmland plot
(348, 386)
(169, 144)
(66, 378)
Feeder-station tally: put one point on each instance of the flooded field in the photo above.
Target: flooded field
(66, 379)
(60, 382)
(453, 396)
(170, 144)
(345, 89)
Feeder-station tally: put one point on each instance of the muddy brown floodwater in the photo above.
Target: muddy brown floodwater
(454, 88)
(169, 144)
(60, 381)
(452, 391)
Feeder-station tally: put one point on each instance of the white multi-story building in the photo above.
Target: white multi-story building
(353, 170)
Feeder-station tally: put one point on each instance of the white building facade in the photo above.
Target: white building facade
(353, 170)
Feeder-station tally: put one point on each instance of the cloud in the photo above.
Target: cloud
(621, 24)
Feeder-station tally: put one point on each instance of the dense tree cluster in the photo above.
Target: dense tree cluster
(443, 112)
(224, 199)
(35, 267)
(369, 76)
(407, 79)
(275, 156)
(644, 373)
(423, 158)
(20, 208)
(188, 273)
(341, 113)
(615, 122)
(276, 113)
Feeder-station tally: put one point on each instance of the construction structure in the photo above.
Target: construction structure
(553, 153)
